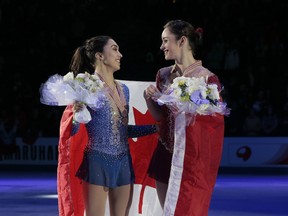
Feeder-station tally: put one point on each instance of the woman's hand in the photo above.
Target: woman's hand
(152, 93)
(78, 106)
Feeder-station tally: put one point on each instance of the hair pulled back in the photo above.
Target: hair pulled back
(83, 59)
(182, 28)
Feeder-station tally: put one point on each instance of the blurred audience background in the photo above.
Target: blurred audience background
(245, 45)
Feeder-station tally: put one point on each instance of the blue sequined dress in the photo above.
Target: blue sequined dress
(107, 160)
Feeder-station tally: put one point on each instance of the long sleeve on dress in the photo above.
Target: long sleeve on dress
(141, 130)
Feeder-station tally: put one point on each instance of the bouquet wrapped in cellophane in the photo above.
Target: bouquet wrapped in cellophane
(65, 90)
(194, 96)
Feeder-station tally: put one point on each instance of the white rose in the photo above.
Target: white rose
(68, 76)
(94, 77)
(81, 76)
(214, 94)
(99, 83)
(179, 81)
(177, 92)
(89, 82)
(203, 91)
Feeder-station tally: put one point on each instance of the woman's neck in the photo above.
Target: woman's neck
(108, 79)
(186, 62)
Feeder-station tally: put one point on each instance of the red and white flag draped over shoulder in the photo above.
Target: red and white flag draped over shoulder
(70, 199)
(196, 156)
(197, 152)
(189, 190)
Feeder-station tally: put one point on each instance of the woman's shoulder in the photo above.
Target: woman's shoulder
(213, 79)
(165, 70)
(202, 71)
(122, 84)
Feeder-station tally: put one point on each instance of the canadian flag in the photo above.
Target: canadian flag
(145, 200)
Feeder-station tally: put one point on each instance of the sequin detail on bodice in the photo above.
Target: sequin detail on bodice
(107, 131)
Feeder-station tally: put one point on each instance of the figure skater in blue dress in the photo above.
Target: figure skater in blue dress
(105, 166)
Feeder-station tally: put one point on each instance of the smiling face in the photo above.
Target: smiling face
(170, 46)
(112, 55)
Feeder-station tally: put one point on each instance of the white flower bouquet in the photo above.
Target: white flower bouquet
(194, 96)
(65, 90)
